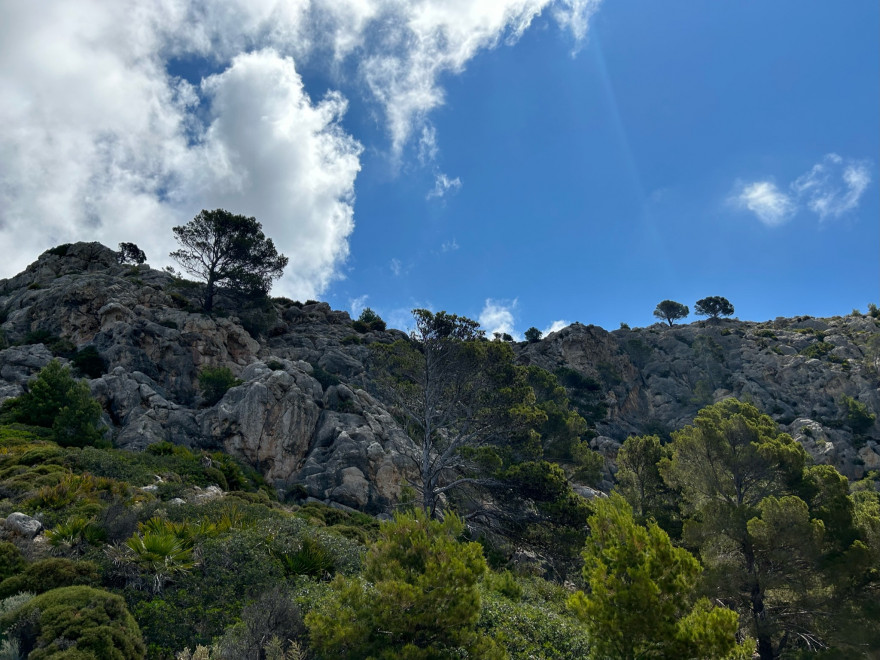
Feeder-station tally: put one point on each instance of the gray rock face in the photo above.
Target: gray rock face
(302, 416)
(796, 370)
(23, 525)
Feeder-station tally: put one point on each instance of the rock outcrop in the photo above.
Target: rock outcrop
(798, 371)
(302, 414)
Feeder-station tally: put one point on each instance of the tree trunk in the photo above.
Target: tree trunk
(759, 616)
(209, 293)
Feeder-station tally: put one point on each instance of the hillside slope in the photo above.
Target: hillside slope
(303, 416)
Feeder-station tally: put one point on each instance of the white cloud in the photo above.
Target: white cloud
(285, 160)
(430, 38)
(99, 141)
(497, 316)
(449, 246)
(396, 267)
(428, 145)
(832, 187)
(772, 206)
(555, 327)
(443, 185)
(357, 305)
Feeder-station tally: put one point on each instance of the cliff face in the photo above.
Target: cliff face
(302, 415)
(796, 370)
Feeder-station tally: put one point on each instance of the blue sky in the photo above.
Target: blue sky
(525, 162)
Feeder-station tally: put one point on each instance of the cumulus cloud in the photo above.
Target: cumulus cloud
(832, 187)
(497, 316)
(99, 141)
(443, 185)
(772, 206)
(555, 327)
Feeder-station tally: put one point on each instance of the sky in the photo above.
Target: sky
(520, 162)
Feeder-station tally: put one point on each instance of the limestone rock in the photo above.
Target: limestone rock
(23, 525)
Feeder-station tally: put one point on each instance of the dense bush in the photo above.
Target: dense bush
(56, 400)
(858, 417)
(368, 321)
(89, 362)
(215, 382)
(51, 573)
(419, 598)
(11, 560)
(78, 623)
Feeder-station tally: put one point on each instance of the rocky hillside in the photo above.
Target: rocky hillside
(302, 415)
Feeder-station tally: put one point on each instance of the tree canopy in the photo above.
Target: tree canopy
(780, 540)
(223, 248)
(419, 598)
(713, 307)
(642, 601)
(131, 253)
(670, 311)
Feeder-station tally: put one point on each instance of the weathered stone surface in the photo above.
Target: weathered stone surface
(341, 444)
(18, 364)
(269, 421)
(658, 378)
(23, 525)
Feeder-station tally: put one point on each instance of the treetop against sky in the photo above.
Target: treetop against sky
(523, 162)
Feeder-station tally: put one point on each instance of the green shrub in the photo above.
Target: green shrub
(532, 631)
(38, 337)
(418, 598)
(89, 362)
(11, 560)
(79, 623)
(858, 417)
(215, 382)
(59, 250)
(505, 584)
(47, 574)
(57, 401)
(532, 335)
(324, 377)
(311, 558)
(368, 321)
(41, 455)
(75, 533)
(818, 350)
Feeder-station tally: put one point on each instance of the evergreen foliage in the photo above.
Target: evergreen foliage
(130, 253)
(77, 623)
(56, 400)
(642, 600)
(369, 321)
(418, 598)
(778, 538)
(669, 311)
(222, 248)
(713, 307)
(532, 335)
(215, 382)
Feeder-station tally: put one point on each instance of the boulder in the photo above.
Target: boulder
(23, 525)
